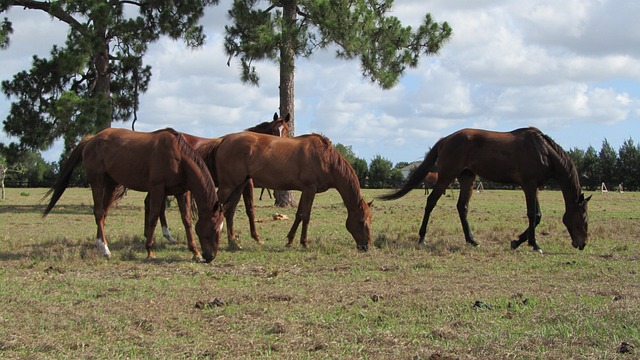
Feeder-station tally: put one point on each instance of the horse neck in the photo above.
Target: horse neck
(203, 191)
(567, 177)
(347, 186)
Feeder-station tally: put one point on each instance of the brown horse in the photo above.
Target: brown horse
(160, 163)
(525, 157)
(278, 127)
(307, 163)
(429, 180)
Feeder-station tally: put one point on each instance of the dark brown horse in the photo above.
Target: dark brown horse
(307, 163)
(278, 127)
(160, 163)
(524, 157)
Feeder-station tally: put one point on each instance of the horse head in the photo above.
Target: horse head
(359, 225)
(280, 126)
(209, 230)
(576, 220)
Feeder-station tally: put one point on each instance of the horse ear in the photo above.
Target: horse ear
(287, 118)
(370, 203)
(582, 200)
(275, 116)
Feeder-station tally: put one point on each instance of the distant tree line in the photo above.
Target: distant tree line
(608, 166)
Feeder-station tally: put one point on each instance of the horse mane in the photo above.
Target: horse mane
(562, 161)
(204, 174)
(338, 162)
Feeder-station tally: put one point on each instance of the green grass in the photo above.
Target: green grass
(60, 299)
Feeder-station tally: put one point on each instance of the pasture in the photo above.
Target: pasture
(59, 298)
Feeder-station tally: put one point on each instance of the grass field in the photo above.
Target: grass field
(60, 299)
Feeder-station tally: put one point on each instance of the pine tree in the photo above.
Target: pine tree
(97, 76)
(282, 30)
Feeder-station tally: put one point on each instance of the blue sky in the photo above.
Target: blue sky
(570, 68)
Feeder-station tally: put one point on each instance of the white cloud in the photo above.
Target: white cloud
(569, 67)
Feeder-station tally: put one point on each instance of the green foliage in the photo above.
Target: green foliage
(608, 166)
(5, 31)
(362, 30)
(380, 173)
(628, 165)
(607, 161)
(96, 78)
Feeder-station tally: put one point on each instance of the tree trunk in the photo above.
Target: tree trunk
(2, 174)
(102, 90)
(287, 70)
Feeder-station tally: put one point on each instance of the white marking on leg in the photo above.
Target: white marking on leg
(103, 248)
(167, 235)
(221, 226)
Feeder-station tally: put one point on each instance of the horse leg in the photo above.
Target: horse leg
(534, 215)
(156, 198)
(247, 195)
(466, 180)
(163, 222)
(184, 204)
(103, 197)
(229, 212)
(432, 200)
(302, 215)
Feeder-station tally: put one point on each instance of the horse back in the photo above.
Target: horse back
(135, 160)
(508, 157)
(275, 162)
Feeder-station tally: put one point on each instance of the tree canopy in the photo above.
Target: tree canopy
(358, 29)
(96, 78)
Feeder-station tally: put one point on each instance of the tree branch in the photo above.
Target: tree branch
(46, 7)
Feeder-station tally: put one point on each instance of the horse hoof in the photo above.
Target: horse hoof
(514, 244)
(538, 250)
(198, 259)
(170, 239)
(234, 247)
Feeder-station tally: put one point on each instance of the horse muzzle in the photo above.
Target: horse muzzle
(578, 244)
(363, 248)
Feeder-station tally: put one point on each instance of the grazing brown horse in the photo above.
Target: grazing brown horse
(160, 163)
(278, 127)
(525, 157)
(307, 163)
(429, 180)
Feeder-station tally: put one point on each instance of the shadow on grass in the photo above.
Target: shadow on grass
(125, 248)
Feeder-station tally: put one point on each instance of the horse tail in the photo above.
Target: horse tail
(64, 177)
(417, 177)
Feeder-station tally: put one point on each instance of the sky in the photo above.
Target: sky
(570, 68)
